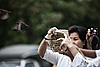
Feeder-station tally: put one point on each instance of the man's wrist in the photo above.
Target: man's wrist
(45, 40)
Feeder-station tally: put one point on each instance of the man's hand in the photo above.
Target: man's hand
(50, 33)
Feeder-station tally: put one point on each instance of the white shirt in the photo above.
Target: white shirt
(96, 61)
(89, 62)
(98, 53)
(57, 59)
(61, 60)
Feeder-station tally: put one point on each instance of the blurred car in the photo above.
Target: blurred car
(21, 55)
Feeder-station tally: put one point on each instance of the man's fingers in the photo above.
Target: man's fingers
(52, 30)
(60, 39)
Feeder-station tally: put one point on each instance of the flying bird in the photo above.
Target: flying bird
(4, 14)
(18, 27)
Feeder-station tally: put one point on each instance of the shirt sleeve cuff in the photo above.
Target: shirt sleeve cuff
(98, 53)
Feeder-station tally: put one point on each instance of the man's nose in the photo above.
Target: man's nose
(73, 41)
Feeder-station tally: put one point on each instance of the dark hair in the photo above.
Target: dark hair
(81, 31)
(95, 41)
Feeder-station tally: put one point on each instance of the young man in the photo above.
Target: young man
(66, 59)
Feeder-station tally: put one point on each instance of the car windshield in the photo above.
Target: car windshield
(9, 64)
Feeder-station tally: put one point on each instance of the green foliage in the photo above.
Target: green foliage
(41, 15)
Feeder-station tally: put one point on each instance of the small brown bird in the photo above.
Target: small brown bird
(4, 14)
(18, 27)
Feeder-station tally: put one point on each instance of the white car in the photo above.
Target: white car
(21, 56)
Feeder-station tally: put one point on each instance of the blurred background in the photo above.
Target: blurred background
(41, 15)
(27, 22)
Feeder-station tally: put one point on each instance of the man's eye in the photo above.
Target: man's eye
(75, 39)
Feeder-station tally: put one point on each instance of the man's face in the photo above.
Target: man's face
(76, 40)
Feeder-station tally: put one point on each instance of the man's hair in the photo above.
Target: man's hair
(81, 31)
